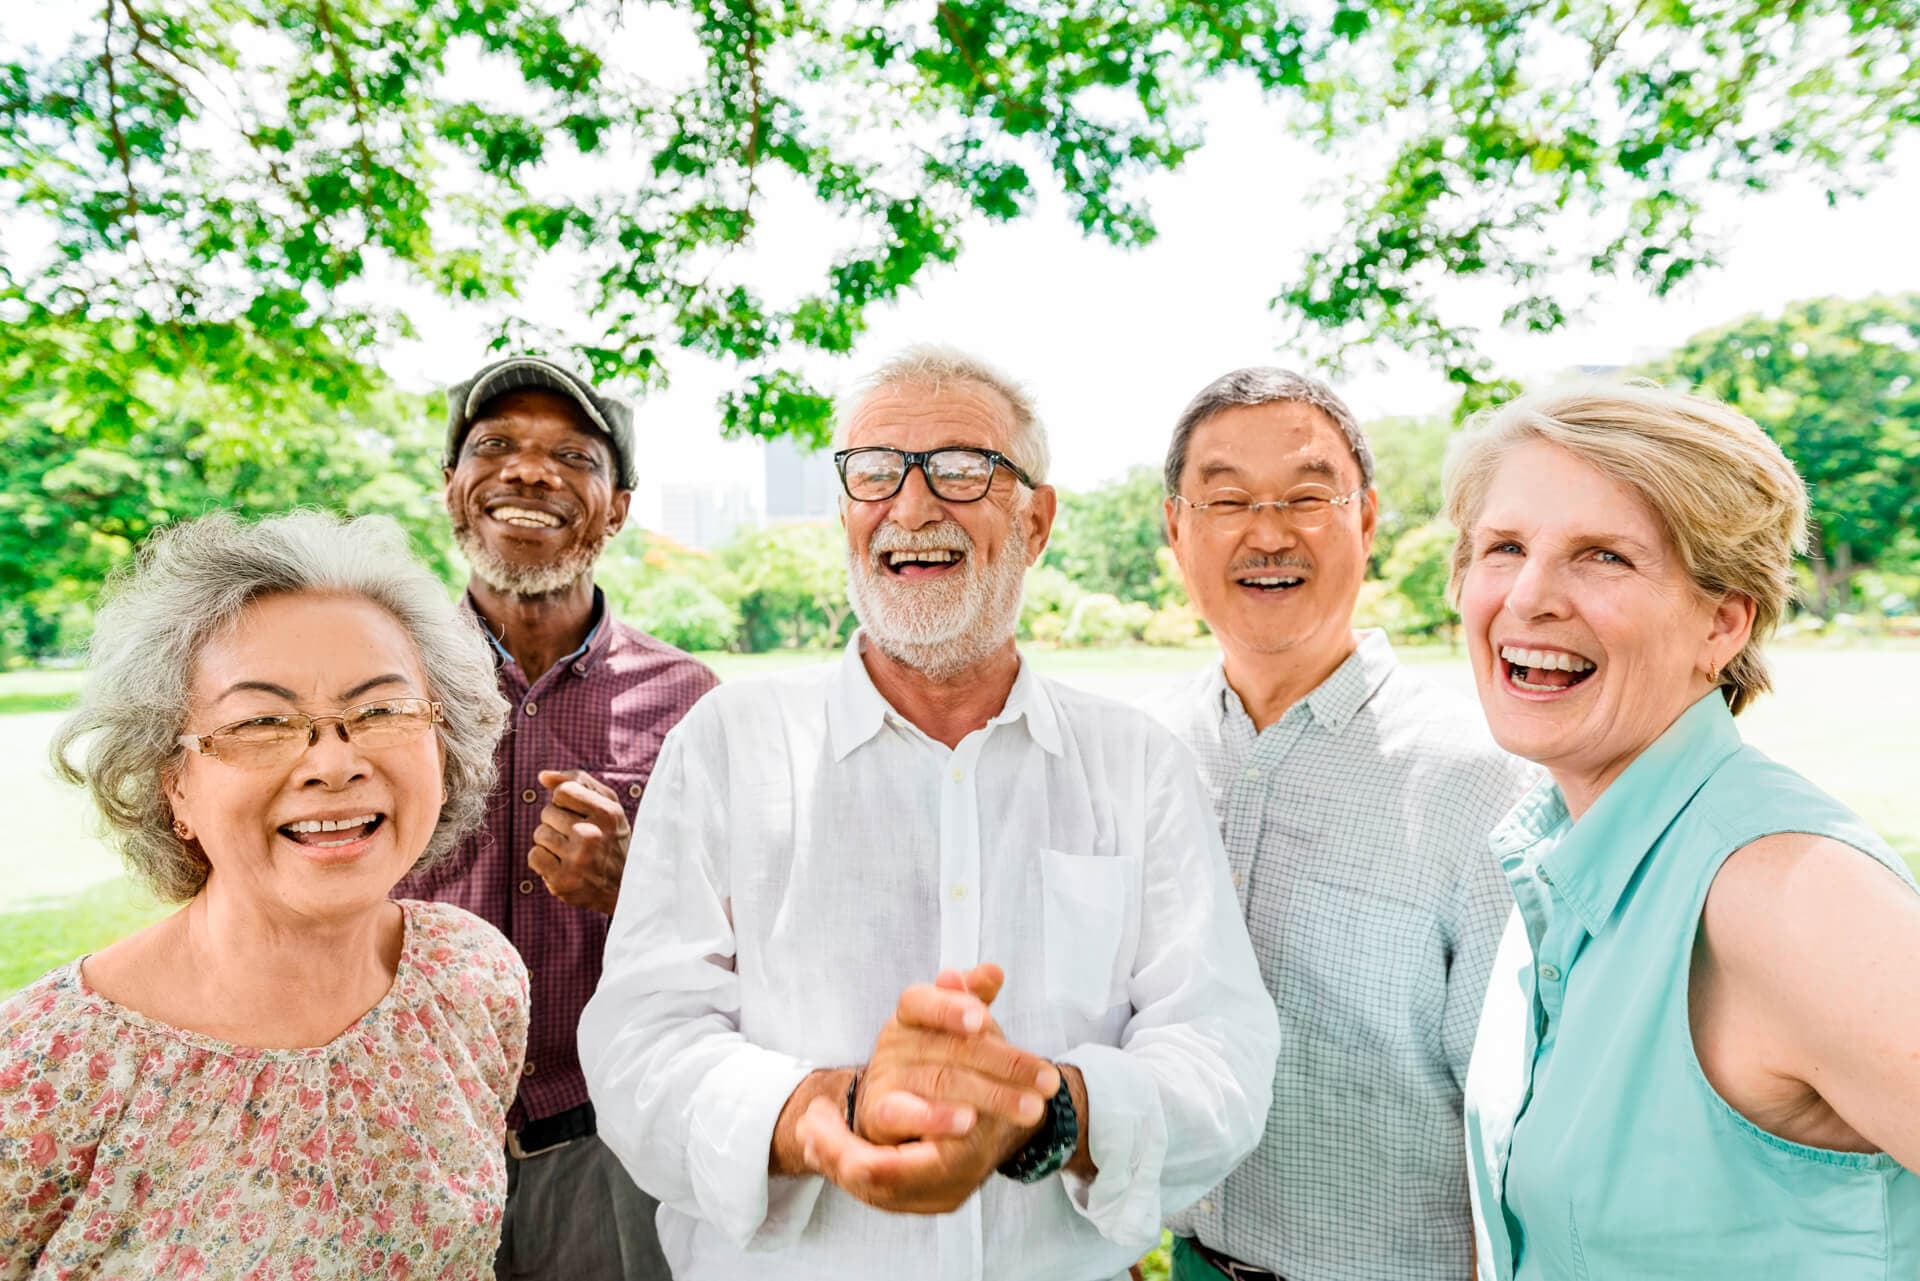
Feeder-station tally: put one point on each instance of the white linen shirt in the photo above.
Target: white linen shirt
(803, 854)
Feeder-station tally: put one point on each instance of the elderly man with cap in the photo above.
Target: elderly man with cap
(539, 472)
(927, 965)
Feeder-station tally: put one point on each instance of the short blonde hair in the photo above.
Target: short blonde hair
(190, 583)
(931, 365)
(1730, 501)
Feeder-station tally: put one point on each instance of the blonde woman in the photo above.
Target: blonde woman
(1700, 1051)
(291, 1076)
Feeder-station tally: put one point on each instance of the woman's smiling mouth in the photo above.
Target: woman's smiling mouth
(1544, 671)
(331, 833)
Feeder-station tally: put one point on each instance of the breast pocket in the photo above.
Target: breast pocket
(627, 784)
(1092, 922)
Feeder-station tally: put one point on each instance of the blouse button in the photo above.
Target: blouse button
(529, 796)
(527, 1068)
(579, 669)
(526, 887)
(634, 790)
(1550, 973)
(532, 707)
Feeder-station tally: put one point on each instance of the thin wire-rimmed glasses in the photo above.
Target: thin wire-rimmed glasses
(276, 739)
(1231, 510)
(956, 474)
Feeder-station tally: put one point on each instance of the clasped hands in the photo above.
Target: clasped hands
(944, 1101)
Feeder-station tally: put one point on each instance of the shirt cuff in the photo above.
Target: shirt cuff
(733, 1114)
(1127, 1139)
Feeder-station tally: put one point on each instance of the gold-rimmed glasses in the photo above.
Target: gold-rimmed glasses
(279, 737)
(1231, 510)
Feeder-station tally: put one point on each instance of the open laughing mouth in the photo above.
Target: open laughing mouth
(922, 562)
(522, 515)
(1270, 584)
(1544, 671)
(333, 833)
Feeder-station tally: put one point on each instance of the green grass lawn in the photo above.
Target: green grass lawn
(39, 691)
(1844, 717)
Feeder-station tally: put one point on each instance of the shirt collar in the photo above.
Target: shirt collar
(1335, 700)
(1592, 866)
(856, 711)
(591, 650)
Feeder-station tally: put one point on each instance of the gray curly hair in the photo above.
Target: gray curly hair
(188, 584)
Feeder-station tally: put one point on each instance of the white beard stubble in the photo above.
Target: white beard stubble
(939, 628)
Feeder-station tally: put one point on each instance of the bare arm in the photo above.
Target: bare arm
(1807, 991)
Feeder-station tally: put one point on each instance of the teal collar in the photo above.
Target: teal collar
(1592, 866)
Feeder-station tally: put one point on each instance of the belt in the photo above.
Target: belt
(1227, 1266)
(550, 1132)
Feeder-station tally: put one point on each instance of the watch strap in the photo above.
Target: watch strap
(1052, 1145)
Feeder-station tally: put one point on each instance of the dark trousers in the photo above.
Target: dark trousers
(1190, 1265)
(574, 1215)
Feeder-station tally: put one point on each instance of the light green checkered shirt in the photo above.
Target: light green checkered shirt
(1356, 830)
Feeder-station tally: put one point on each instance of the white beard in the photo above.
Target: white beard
(942, 627)
(510, 579)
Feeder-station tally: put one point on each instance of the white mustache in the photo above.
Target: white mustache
(948, 535)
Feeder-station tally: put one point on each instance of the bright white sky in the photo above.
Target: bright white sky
(1113, 343)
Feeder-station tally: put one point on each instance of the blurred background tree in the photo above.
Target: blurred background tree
(1837, 383)
(218, 214)
(294, 168)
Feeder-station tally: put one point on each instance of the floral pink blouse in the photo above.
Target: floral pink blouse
(132, 1149)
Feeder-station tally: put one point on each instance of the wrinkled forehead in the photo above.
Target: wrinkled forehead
(1544, 489)
(912, 415)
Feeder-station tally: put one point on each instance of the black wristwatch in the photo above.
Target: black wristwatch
(1052, 1145)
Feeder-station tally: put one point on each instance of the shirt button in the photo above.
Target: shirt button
(958, 892)
(526, 1069)
(579, 669)
(634, 790)
(1251, 774)
(1238, 880)
(532, 707)
(1205, 1207)
(529, 796)
(959, 774)
(1550, 973)
(526, 887)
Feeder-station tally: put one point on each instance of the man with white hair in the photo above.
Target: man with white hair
(922, 960)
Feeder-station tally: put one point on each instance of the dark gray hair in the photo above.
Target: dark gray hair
(188, 584)
(930, 365)
(1264, 385)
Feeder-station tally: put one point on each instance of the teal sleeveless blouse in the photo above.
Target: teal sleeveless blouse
(1596, 1146)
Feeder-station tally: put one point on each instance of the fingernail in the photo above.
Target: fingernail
(962, 1119)
(1048, 1080)
(974, 1020)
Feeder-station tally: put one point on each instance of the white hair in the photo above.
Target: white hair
(931, 365)
(188, 584)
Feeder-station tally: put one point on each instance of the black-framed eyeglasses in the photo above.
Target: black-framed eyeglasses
(280, 737)
(956, 474)
(1232, 510)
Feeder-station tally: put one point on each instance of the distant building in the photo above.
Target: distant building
(703, 517)
(801, 484)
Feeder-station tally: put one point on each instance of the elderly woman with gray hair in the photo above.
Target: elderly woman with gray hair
(292, 1075)
(1699, 1054)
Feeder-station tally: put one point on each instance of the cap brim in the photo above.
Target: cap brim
(529, 374)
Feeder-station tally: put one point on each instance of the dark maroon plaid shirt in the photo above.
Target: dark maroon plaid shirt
(603, 709)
